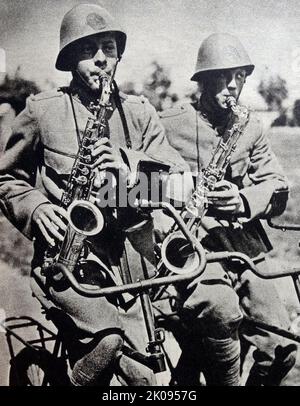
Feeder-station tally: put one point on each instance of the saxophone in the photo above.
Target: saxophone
(84, 218)
(177, 255)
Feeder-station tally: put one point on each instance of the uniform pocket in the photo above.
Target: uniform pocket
(60, 162)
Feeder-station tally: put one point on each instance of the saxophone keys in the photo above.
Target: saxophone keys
(85, 171)
(87, 159)
(81, 180)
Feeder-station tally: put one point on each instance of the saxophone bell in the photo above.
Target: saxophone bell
(85, 220)
(178, 255)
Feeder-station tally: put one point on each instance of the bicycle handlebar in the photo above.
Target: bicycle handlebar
(172, 279)
(227, 255)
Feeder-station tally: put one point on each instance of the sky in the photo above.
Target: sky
(169, 31)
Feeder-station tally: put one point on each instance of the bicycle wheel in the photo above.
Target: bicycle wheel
(37, 367)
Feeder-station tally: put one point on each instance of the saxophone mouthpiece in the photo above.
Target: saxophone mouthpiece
(103, 75)
(231, 102)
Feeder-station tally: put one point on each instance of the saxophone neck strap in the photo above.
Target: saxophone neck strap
(75, 118)
(122, 115)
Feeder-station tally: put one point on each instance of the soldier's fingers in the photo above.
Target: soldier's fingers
(103, 158)
(111, 165)
(224, 202)
(49, 209)
(101, 150)
(52, 228)
(44, 232)
(108, 157)
(221, 183)
(102, 141)
(57, 222)
(224, 194)
(51, 215)
(228, 209)
(63, 216)
(61, 211)
(225, 184)
(98, 178)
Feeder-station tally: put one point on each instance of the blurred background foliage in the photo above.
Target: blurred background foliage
(274, 91)
(15, 90)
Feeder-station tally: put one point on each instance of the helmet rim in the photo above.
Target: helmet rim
(65, 63)
(221, 51)
(197, 75)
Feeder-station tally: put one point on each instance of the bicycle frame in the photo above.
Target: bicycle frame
(11, 324)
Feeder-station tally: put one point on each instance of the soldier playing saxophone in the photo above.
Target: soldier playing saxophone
(56, 157)
(210, 307)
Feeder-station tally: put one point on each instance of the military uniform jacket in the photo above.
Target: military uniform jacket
(41, 149)
(253, 168)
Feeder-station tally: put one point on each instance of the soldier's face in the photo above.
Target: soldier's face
(224, 83)
(94, 55)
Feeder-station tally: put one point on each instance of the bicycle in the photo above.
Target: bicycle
(42, 364)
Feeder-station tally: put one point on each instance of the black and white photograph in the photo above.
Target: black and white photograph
(149, 195)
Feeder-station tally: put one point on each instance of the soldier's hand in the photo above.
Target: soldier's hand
(108, 157)
(226, 198)
(51, 221)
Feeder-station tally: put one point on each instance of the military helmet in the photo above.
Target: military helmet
(85, 20)
(221, 51)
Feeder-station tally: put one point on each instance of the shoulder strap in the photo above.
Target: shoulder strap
(122, 115)
(75, 118)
